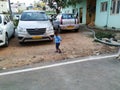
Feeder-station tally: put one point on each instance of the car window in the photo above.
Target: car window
(7, 18)
(34, 16)
(68, 16)
(0, 19)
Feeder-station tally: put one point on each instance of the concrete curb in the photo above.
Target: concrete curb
(101, 41)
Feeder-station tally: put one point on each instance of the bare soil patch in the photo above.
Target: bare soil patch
(73, 45)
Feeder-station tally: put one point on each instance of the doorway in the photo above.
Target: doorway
(81, 15)
(91, 11)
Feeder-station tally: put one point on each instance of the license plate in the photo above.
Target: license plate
(70, 27)
(36, 37)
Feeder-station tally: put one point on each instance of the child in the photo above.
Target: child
(57, 40)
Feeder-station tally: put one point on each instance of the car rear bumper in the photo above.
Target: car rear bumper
(69, 27)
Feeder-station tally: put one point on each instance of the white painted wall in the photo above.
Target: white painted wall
(3, 6)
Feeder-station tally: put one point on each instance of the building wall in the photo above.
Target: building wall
(77, 7)
(18, 7)
(3, 6)
(106, 18)
(113, 20)
(101, 17)
(22, 6)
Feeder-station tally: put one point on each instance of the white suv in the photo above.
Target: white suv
(34, 25)
(66, 21)
(6, 29)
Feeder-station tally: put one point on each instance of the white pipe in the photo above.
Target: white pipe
(107, 43)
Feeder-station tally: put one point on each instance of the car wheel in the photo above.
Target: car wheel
(6, 41)
(76, 30)
(13, 35)
(21, 43)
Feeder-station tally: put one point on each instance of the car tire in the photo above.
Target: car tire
(6, 41)
(76, 30)
(13, 35)
(21, 43)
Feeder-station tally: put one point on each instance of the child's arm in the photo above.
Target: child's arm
(60, 38)
(50, 38)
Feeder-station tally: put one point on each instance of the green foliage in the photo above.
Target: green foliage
(63, 3)
(101, 35)
(73, 2)
(15, 22)
(70, 2)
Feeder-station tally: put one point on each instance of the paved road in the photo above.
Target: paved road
(103, 74)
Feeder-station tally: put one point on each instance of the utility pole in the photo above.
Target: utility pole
(11, 17)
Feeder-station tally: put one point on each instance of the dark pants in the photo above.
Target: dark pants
(57, 45)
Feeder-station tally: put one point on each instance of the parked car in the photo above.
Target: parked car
(66, 21)
(6, 29)
(34, 25)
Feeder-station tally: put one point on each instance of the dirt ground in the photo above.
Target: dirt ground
(73, 45)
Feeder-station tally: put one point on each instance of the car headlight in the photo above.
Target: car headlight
(49, 29)
(1, 31)
(21, 30)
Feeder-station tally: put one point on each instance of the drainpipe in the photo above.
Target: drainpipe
(108, 11)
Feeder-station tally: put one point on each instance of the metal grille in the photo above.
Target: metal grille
(37, 31)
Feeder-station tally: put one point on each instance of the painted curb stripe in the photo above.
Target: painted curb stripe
(56, 65)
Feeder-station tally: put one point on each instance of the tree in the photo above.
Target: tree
(62, 4)
(73, 2)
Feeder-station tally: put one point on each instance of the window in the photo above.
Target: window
(5, 20)
(115, 8)
(68, 16)
(104, 6)
(8, 18)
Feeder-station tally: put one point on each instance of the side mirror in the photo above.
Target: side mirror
(5, 22)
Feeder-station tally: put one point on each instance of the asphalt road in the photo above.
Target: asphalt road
(102, 74)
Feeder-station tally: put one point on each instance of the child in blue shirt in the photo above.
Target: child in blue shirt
(57, 39)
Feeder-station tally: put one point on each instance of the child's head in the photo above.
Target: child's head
(56, 33)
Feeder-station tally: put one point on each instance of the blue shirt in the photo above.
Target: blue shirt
(57, 39)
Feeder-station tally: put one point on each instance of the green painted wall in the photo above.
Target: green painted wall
(106, 18)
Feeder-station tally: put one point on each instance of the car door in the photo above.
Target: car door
(9, 26)
(12, 28)
(6, 26)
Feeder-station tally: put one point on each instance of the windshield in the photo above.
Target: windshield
(68, 16)
(34, 16)
(0, 20)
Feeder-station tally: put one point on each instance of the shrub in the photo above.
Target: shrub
(101, 35)
(15, 22)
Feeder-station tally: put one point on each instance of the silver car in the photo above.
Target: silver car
(66, 21)
(34, 25)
